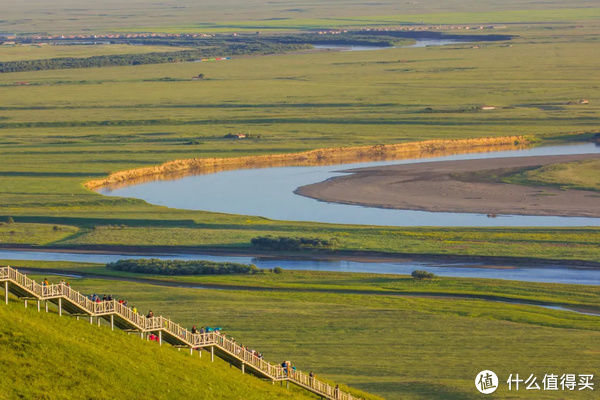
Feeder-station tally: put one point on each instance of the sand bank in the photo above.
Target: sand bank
(327, 156)
(458, 186)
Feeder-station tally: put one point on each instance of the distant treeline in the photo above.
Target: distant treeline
(291, 243)
(381, 38)
(223, 46)
(232, 49)
(179, 267)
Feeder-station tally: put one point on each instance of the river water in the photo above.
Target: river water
(418, 43)
(269, 192)
(550, 273)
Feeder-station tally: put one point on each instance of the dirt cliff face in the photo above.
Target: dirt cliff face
(327, 156)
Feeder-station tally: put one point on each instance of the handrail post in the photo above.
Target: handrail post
(112, 322)
(212, 353)
(6, 292)
(60, 307)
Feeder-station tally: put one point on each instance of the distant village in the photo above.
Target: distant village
(14, 39)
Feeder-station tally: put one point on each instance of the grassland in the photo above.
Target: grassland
(234, 234)
(583, 175)
(287, 24)
(575, 296)
(36, 52)
(87, 16)
(71, 126)
(48, 357)
(389, 345)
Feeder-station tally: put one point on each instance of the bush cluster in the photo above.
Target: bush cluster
(291, 243)
(179, 267)
(420, 274)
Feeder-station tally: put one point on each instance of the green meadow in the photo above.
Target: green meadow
(574, 296)
(384, 334)
(287, 24)
(575, 175)
(45, 356)
(70, 126)
(235, 15)
(42, 52)
(389, 345)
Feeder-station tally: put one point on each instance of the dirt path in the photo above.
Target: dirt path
(458, 186)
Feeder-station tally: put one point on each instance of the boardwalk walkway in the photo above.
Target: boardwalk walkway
(68, 300)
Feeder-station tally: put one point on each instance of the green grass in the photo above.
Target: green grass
(68, 127)
(38, 234)
(286, 24)
(584, 175)
(87, 16)
(234, 233)
(585, 296)
(45, 356)
(397, 347)
(34, 52)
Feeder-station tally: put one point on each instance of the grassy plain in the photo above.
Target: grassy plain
(287, 24)
(70, 126)
(48, 357)
(234, 233)
(581, 296)
(397, 347)
(36, 52)
(88, 16)
(576, 175)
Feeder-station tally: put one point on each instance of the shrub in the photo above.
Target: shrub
(420, 275)
(278, 270)
(289, 243)
(180, 267)
(10, 220)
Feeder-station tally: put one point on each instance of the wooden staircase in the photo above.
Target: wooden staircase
(71, 301)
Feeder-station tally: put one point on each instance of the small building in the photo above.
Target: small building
(584, 101)
(488, 108)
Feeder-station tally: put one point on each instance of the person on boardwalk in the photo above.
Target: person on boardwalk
(311, 378)
(45, 282)
(150, 314)
(194, 330)
(336, 391)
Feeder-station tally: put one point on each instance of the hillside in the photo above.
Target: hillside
(46, 356)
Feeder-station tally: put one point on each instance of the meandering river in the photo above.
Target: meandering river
(269, 192)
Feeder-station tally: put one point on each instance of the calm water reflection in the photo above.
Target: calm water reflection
(269, 192)
(553, 274)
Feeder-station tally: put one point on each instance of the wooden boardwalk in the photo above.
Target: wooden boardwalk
(71, 301)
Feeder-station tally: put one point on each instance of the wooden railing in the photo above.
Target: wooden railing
(165, 325)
